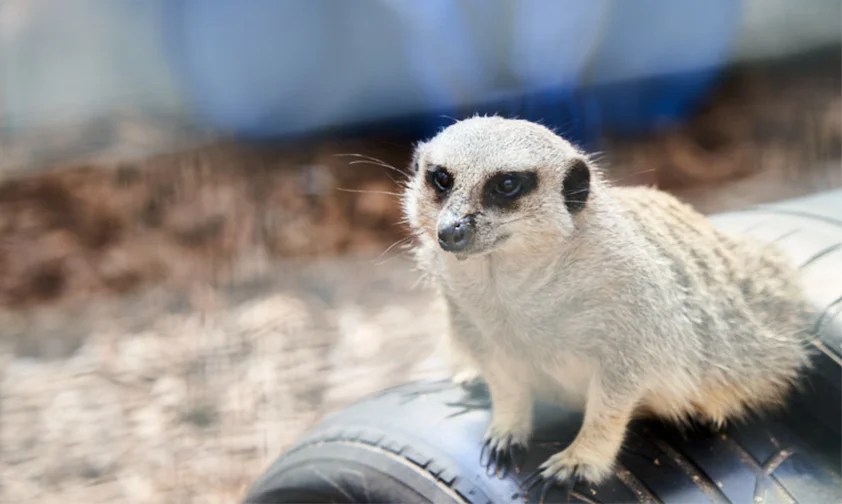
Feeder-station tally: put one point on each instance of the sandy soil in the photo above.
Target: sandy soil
(186, 398)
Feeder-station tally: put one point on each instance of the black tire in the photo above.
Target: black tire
(421, 442)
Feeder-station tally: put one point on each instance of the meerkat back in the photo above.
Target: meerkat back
(743, 299)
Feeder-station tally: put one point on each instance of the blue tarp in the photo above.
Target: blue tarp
(267, 68)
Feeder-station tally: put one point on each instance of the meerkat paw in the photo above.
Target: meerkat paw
(466, 377)
(503, 452)
(565, 469)
(569, 464)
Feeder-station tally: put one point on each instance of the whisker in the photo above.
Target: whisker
(390, 247)
(402, 243)
(366, 161)
(629, 175)
(390, 258)
(516, 219)
(580, 191)
(369, 192)
(449, 117)
(424, 277)
(357, 154)
(596, 157)
(386, 261)
(370, 160)
(374, 161)
(393, 179)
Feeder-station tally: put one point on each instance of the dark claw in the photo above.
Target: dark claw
(548, 485)
(571, 482)
(486, 456)
(535, 477)
(527, 484)
(515, 457)
(483, 452)
(501, 459)
(530, 481)
(491, 461)
(504, 464)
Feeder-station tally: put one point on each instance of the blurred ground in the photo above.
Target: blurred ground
(168, 325)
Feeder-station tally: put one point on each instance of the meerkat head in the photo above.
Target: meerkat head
(488, 183)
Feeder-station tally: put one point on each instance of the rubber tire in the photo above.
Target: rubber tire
(421, 442)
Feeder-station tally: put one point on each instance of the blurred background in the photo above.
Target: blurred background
(184, 284)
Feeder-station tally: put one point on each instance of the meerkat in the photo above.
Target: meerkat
(624, 300)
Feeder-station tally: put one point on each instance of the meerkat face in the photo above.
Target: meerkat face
(489, 184)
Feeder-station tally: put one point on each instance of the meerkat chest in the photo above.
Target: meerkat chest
(513, 308)
(521, 318)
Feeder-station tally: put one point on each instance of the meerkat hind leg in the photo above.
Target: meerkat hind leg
(464, 370)
(466, 376)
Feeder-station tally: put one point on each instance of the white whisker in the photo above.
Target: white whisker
(362, 191)
(630, 175)
(580, 191)
(510, 221)
(374, 161)
(396, 244)
(393, 179)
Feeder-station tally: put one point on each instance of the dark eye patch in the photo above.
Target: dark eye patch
(503, 190)
(440, 180)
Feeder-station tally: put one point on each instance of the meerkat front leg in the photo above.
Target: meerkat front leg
(508, 433)
(592, 453)
(511, 400)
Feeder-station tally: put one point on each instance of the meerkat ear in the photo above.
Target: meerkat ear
(576, 186)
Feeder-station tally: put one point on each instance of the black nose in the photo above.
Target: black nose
(457, 236)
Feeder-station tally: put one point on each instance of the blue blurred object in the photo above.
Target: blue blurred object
(663, 56)
(269, 68)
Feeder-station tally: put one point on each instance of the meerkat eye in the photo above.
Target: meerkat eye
(441, 179)
(508, 187)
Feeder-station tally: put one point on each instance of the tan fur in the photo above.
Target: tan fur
(633, 304)
(597, 443)
(732, 262)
